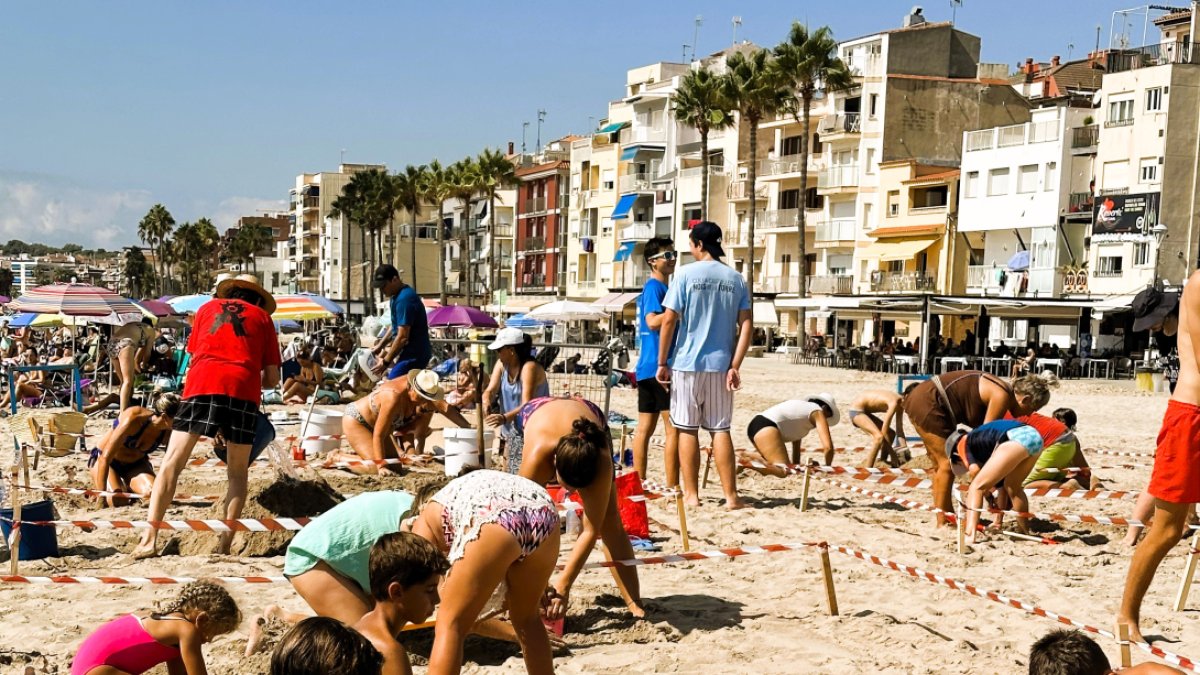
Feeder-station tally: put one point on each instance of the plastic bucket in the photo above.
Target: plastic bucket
(1145, 379)
(264, 433)
(462, 448)
(37, 541)
(315, 423)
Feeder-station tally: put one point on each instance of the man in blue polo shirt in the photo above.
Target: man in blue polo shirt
(653, 399)
(406, 346)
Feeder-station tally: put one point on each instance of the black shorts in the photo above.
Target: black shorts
(653, 398)
(206, 415)
(758, 424)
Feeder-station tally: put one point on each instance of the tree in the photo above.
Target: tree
(72, 248)
(437, 188)
(6, 282)
(752, 85)
(496, 172)
(367, 201)
(139, 275)
(465, 180)
(699, 104)
(808, 63)
(249, 240)
(408, 192)
(154, 229)
(205, 254)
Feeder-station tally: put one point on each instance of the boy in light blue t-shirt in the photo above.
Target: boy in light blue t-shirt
(708, 318)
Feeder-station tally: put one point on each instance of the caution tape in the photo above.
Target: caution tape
(1055, 493)
(891, 499)
(994, 596)
(205, 525)
(1120, 453)
(1068, 517)
(85, 492)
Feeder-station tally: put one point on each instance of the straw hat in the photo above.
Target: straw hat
(426, 383)
(248, 282)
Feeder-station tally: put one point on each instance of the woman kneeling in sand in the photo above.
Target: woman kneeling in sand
(394, 419)
(789, 422)
(121, 460)
(996, 454)
(567, 440)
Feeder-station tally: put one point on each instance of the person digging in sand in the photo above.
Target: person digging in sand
(1062, 451)
(121, 459)
(880, 414)
(567, 440)
(789, 422)
(996, 454)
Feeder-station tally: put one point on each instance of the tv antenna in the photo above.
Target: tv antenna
(737, 23)
(524, 128)
(696, 34)
(541, 117)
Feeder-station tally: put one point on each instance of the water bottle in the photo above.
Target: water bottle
(574, 524)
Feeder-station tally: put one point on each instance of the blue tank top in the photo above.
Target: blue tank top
(510, 399)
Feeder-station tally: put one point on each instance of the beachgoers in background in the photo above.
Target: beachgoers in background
(789, 422)
(516, 380)
(653, 399)
(129, 350)
(298, 388)
(406, 345)
(880, 413)
(120, 462)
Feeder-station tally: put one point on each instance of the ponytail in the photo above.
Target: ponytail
(577, 455)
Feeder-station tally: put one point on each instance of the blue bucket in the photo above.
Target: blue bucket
(37, 541)
(264, 433)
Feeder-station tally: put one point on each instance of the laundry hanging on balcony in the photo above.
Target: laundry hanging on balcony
(1019, 261)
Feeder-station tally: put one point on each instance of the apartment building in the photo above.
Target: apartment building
(541, 230)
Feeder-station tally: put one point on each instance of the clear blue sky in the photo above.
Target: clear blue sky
(213, 108)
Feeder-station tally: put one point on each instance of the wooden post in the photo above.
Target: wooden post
(707, 465)
(621, 455)
(1189, 572)
(804, 491)
(479, 404)
(1123, 636)
(683, 531)
(25, 463)
(14, 540)
(960, 525)
(827, 573)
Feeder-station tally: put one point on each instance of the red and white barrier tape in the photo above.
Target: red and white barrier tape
(1059, 493)
(1120, 453)
(891, 499)
(107, 493)
(1069, 518)
(206, 525)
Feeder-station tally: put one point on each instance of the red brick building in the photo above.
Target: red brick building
(542, 221)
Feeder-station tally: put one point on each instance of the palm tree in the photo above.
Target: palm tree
(752, 86)
(250, 239)
(464, 180)
(808, 62)
(367, 201)
(409, 194)
(699, 104)
(437, 189)
(153, 230)
(181, 247)
(348, 206)
(207, 240)
(497, 173)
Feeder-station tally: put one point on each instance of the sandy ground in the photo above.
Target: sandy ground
(761, 613)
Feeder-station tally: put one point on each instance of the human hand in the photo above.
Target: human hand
(663, 375)
(380, 367)
(554, 604)
(733, 379)
(495, 420)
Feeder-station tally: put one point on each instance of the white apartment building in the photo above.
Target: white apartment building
(323, 249)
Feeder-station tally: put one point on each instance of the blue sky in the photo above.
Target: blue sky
(213, 108)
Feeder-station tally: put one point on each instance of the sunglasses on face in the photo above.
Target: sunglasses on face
(665, 255)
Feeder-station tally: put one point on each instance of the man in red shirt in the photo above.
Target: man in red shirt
(235, 354)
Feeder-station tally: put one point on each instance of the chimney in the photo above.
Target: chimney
(1028, 70)
(510, 147)
(1054, 60)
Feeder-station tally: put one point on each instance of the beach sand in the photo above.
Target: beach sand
(753, 614)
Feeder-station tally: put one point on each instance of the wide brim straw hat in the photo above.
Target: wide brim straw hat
(426, 383)
(248, 282)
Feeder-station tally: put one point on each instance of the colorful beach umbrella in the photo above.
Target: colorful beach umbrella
(523, 322)
(189, 304)
(320, 300)
(302, 307)
(99, 305)
(460, 316)
(156, 308)
(567, 310)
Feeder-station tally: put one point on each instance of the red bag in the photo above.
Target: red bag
(633, 513)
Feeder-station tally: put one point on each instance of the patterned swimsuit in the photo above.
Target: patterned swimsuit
(520, 506)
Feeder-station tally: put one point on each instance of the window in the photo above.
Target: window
(1110, 265)
(789, 199)
(874, 104)
(1154, 99)
(790, 146)
(1051, 182)
(893, 203)
(998, 182)
(838, 264)
(1120, 112)
(972, 185)
(1027, 178)
(1148, 170)
(1116, 174)
(1141, 254)
(894, 267)
(608, 179)
(812, 200)
(870, 160)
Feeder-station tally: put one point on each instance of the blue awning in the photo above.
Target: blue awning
(624, 251)
(623, 207)
(612, 128)
(629, 153)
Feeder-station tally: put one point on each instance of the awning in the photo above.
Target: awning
(480, 207)
(452, 278)
(516, 304)
(615, 302)
(611, 128)
(624, 251)
(631, 151)
(623, 207)
(765, 316)
(898, 250)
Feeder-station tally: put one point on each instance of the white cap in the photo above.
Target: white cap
(507, 337)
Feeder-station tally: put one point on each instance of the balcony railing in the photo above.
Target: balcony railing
(845, 175)
(838, 229)
(1150, 55)
(697, 171)
(1120, 122)
(637, 232)
(841, 123)
(311, 202)
(1085, 137)
(534, 280)
(785, 284)
(903, 282)
(740, 189)
(1081, 202)
(831, 284)
(635, 182)
(586, 198)
(535, 204)
(775, 219)
(586, 285)
(783, 165)
(535, 243)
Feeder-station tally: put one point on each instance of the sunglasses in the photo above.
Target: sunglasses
(665, 255)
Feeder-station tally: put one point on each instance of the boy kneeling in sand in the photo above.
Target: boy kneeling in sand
(405, 571)
(865, 414)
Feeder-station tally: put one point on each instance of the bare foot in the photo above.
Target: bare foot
(258, 628)
(1135, 635)
(1131, 538)
(636, 609)
(735, 504)
(142, 552)
(692, 502)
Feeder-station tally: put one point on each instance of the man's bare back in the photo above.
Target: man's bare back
(1187, 390)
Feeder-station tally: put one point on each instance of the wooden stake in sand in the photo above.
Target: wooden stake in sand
(707, 465)
(683, 531)
(804, 491)
(827, 574)
(1189, 572)
(25, 463)
(1123, 637)
(14, 540)
(960, 523)
(483, 459)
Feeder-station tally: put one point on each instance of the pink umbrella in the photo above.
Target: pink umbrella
(460, 316)
(157, 307)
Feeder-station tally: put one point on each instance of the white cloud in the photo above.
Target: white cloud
(50, 210)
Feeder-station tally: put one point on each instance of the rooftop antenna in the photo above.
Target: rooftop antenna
(1070, 50)
(954, 5)
(684, 58)
(737, 23)
(342, 159)
(696, 34)
(524, 128)
(541, 118)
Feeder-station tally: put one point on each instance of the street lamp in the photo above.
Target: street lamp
(1159, 232)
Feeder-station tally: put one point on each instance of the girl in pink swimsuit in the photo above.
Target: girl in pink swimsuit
(133, 645)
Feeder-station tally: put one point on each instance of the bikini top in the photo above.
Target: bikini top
(131, 440)
(400, 423)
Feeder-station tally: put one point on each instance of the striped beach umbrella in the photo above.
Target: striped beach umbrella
(97, 304)
(188, 304)
(302, 307)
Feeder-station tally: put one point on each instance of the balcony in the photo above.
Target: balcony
(637, 232)
(1085, 139)
(635, 182)
(640, 134)
(780, 219)
(841, 123)
(533, 244)
(831, 284)
(835, 231)
(585, 199)
(787, 164)
(535, 205)
(310, 203)
(740, 189)
(838, 178)
(1081, 204)
(1149, 56)
(902, 282)
(586, 285)
(785, 284)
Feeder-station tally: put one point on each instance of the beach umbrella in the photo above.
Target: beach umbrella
(320, 300)
(156, 308)
(567, 310)
(301, 308)
(166, 298)
(523, 322)
(97, 304)
(460, 316)
(22, 320)
(288, 326)
(430, 303)
(188, 304)
(4, 299)
(1019, 262)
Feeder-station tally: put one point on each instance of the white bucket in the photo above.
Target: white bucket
(326, 423)
(462, 448)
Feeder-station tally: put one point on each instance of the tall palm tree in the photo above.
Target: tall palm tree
(252, 238)
(808, 62)
(367, 200)
(181, 247)
(752, 86)
(464, 179)
(437, 189)
(153, 230)
(348, 207)
(700, 104)
(497, 173)
(409, 193)
(207, 240)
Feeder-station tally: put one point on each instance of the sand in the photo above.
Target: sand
(761, 613)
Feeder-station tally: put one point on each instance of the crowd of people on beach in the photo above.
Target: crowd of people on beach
(487, 541)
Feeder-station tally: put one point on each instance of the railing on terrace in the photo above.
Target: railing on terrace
(1085, 137)
(740, 189)
(844, 175)
(695, 171)
(841, 123)
(637, 232)
(586, 285)
(1081, 202)
(634, 182)
(534, 205)
(903, 281)
(535, 243)
(838, 229)
(311, 202)
(830, 284)
(1150, 55)
(641, 134)
(785, 284)
(780, 218)
(784, 164)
